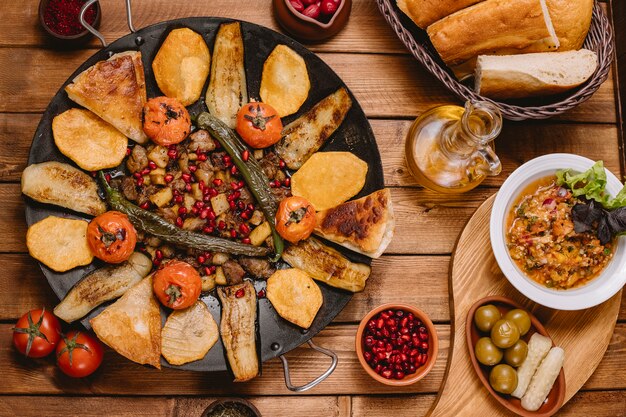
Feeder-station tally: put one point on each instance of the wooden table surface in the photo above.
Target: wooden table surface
(392, 89)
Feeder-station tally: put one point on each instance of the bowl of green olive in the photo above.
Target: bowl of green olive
(514, 357)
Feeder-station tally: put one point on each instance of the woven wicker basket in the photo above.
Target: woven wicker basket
(599, 39)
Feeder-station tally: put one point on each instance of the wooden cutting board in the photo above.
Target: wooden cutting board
(474, 274)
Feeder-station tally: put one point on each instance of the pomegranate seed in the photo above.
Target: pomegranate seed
(202, 157)
(201, 259)
(233, 185)
(169, 178)
(240, 293)
(276, 183)
(179, 222)
(128, 151)
(244, 228)
(172, 154)
(137, 175)
(152, 165)
(182, 211)
(204, 213)
(246, 240)
(297, 5)
(227, 159)
(145, 171)
(201, 184)
(245, 215)
(232, 205)
(221, 225)
(140, 181)
(281, 164)
(211, 214)
(207, 270)
(245, 155)
(178, 199)
(250, 207)
(233, 233)
(156, 262)
(423, 337)
(241, 205)
(145, 205)
(234, 170)
(286, 182)
(206, 198)
(186, 177)
(261, 294)
(386, 373)
(158, 254)
(271, 184)
(217, 182)
(199, 204)
(207, 229)
(193, 168)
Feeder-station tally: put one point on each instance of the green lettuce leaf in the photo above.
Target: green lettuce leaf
(591, 184)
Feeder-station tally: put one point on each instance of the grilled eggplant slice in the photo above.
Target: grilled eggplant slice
(102, 285)
(227, 90)
(238, 329)
(325, 264)
(305, 135)
(62, 185)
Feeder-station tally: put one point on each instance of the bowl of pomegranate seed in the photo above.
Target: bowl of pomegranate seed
(312, 20)
(60, 20)
(397, 344)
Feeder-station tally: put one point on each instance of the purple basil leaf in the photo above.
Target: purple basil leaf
(604, 231)
(617, 220)
(585, 215)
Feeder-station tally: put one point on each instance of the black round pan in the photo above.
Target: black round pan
(277, 336)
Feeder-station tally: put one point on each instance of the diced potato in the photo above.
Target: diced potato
(208, 282)
(257, 218)
(146, 180)
(222, 175)
(220, 278)
(189, 201)
(260, 233)
(193, 223)
(203, 175)
(158, 155)
(157, 176)
(162, 197)
(219, 204)
(258, 154)
(193, 156)
(196, 192)
(219, 258)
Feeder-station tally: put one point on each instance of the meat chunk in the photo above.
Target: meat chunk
(138, 159)
(245, 196)
(129, 189)
(234, 272)
(201, 141)
(257, 267)
(217, 160)
(167, 213)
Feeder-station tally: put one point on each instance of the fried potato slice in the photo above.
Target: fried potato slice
(102, 285)
(188, 334)
(328, 179)
(62, 185)
(132, 325)
(227, 90)
(295, 296)
(365, 225)
(182, 65)
(327, 265)
(285, 81)
(115, 90)
(88, 140)
(59, 243)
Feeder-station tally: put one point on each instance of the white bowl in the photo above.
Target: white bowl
(598, 290)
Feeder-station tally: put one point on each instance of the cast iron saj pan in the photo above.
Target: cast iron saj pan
(276, 335)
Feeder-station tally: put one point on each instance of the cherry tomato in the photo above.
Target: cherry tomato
(259, 125)
(37, 333)
(329, 7)
(79, 354)
(295, 219)
(111, 237)
(166, 121)
(177, 285)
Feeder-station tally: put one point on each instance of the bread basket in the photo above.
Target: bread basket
(599, 39)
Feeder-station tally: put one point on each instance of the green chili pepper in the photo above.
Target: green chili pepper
(155, 225)
(250, 170)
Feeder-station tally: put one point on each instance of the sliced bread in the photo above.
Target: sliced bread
(426, 12)
(532, 75)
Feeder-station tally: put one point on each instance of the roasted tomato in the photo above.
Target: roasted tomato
(111, 237)
(79, 354)
(177, 285)
(259, 125)
(295, 219)
(37, 333)
(166, 121)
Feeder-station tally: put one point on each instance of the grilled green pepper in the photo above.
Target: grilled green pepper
(250, 170)
(153, 224)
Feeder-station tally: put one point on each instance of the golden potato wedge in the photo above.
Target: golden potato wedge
(285, 81)
(132, 325)
(328, 179)
(188, 334)
(295, 296)
(88, 140)
(59, 243)
(182, 65)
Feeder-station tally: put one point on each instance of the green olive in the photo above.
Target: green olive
(504, 333)
(520, 318)
(487, 353)
(503, 379)
(516, 354)
(486, 316)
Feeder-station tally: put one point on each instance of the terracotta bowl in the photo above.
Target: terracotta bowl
(72, 40)
(433, 347)
(556, 396)
(307, 29)
(241, 401)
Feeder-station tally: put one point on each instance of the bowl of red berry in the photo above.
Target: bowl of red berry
(312, 20)
(397, 344)
(60, 19)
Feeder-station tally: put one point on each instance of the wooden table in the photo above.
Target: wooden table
(393, 89)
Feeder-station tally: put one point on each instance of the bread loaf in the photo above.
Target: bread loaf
(426, 12)
(531, 75)
(571, 20)
(494, 27)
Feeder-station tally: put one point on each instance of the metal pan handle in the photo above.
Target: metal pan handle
(317, 380)
(81, 17)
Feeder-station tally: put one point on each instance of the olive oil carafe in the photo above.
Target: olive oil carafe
(447, 148)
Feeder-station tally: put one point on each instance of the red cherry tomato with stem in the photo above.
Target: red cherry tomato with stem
(79, 354)
(36, 333)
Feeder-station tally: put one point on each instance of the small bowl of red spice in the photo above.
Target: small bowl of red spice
(397, 344)
(60, 19)
(312, 20)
